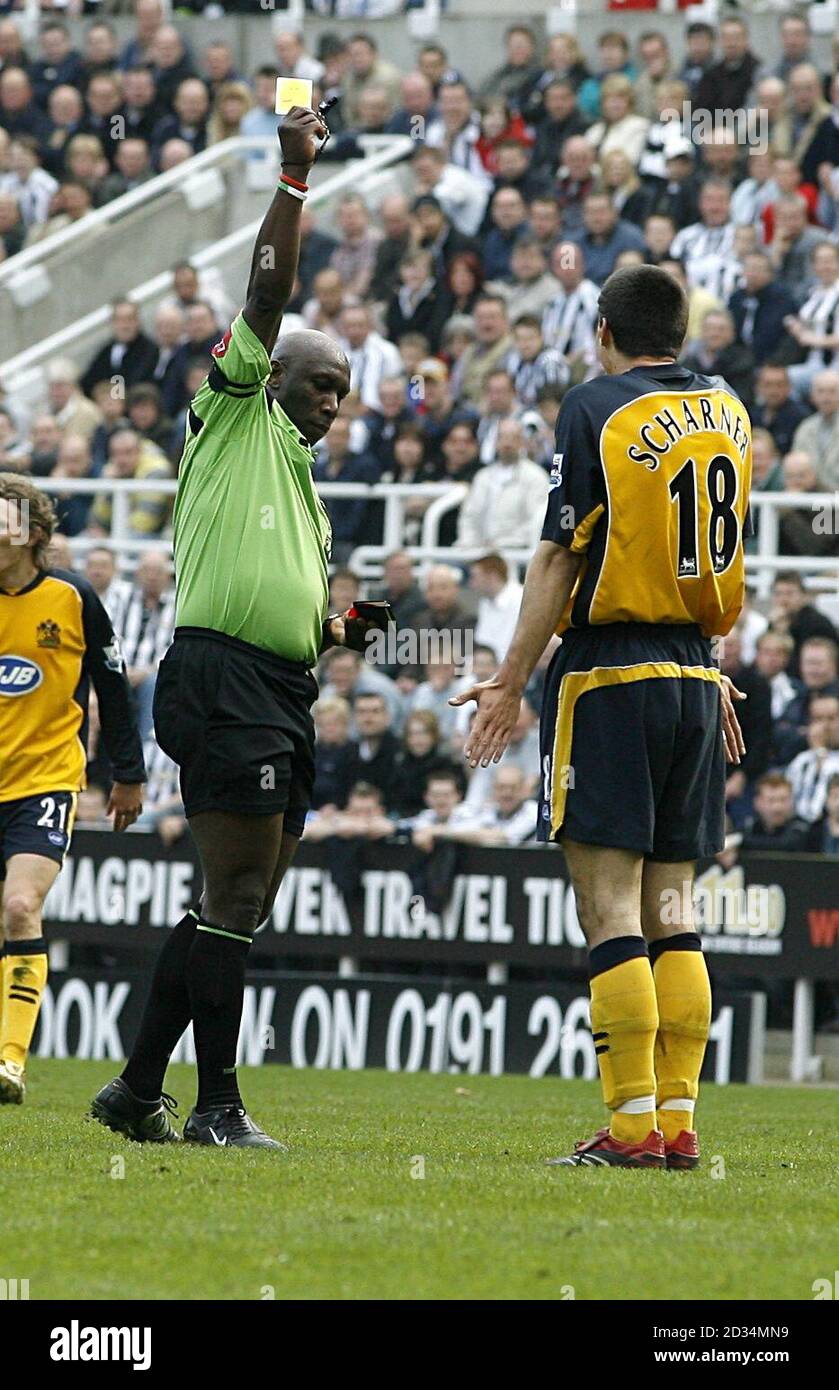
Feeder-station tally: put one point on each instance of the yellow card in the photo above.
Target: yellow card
(292, 91)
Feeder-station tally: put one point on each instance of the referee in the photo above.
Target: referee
(252, 544)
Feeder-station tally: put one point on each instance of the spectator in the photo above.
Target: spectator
(27, 182)
(707, 246)
(564, 62)
(499, 601)
(508, 219)
(416, 107)
(725, 85)
(676, 195)
(445, 611)
(336, 755)
(756, 721)
(189, 288)
(461, 195)
(793, 245)
(419, 305)
(104, 99)
(336, 463)
(619, 128)
(411, 468)
(513, 169)
(604, 237)
(146, 630)
(133, 168)
(139, 110)
(530, 286)
(131, 457)
(767, 472)
(367, 69)
(71, 410)
(74, 461)
(44, 439)
(100, 568)
(377, 743)
(457, 130)
(400, 588)
(383, 425)
(172, 63)
(60, 63)
(446, 817)
(437, 233)
(531, 364)
(519, 75)
(824, 837)
(522, 752)
(129, 354)
(776, 409)
(355, 255)
(792, 613)
(803, 530)
(815, 327)
(434, 693)
(203, 329)
(395, 217)
(613, 57)
(492, 343)
(189, 119)
(169, 374)
(774, 650)
(656, 69)
(231, 103)
(438, 410)
(219, 67)
(144, 407)
(760, 307)
(824, 146)
(499, 403)
(371, 357)
(363, 818)
(460, 464)
(346, 674)
(570, 318)
(561, 120)
(510, 818)
(818, 435)
(19, 113)
(148, 17)
(261, 119)
(700, 39)
(506, 502)
(12, 226)
(420, 756)
(812, 769)
(292, 58)
(807, 111)
(620, 180)
(716, 353)
(774, 824)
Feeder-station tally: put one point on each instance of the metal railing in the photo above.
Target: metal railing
(368, 560)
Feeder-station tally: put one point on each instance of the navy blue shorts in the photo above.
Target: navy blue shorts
(41, 824)
(237, 722)
(631, 742)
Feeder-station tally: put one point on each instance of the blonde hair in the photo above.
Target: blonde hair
(617, 85)
(40, 514)
(217, 127)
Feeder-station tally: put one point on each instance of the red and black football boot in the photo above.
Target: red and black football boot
(684, 1151)
(604, 1151)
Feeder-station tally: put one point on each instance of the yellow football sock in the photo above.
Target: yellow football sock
(683, 991)
(24, 977)
(624, 1020)
(2, 984)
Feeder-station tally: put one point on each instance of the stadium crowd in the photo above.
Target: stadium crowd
(467, 307)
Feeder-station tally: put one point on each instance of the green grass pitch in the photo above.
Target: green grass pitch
(345, 1215)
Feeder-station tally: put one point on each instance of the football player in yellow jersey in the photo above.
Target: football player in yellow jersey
(55, 637)
(640, 565)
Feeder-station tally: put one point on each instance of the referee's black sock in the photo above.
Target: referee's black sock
(166, 1015)
(215, 977)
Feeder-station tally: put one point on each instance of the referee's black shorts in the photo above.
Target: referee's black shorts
(236, 720)
(631, 742)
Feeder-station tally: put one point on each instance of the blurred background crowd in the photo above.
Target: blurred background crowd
(467, 306)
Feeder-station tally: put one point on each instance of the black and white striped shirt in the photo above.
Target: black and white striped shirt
(570, 319)
(145, 633)
(162, 778)
(809, 774)
(547, 369)
(820, 312)
(708, 255)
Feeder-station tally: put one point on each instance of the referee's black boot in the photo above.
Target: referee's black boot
(146, 1121)
(230, 1126)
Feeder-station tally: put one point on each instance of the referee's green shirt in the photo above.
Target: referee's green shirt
(252, 537)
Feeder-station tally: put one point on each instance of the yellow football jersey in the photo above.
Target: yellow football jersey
(651, 481)
(55, 637)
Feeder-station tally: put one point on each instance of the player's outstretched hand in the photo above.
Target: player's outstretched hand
(299, 131)
(498, 710)
(125, 803)
(732, 734)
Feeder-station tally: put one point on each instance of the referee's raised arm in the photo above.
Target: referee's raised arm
(277, 247)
